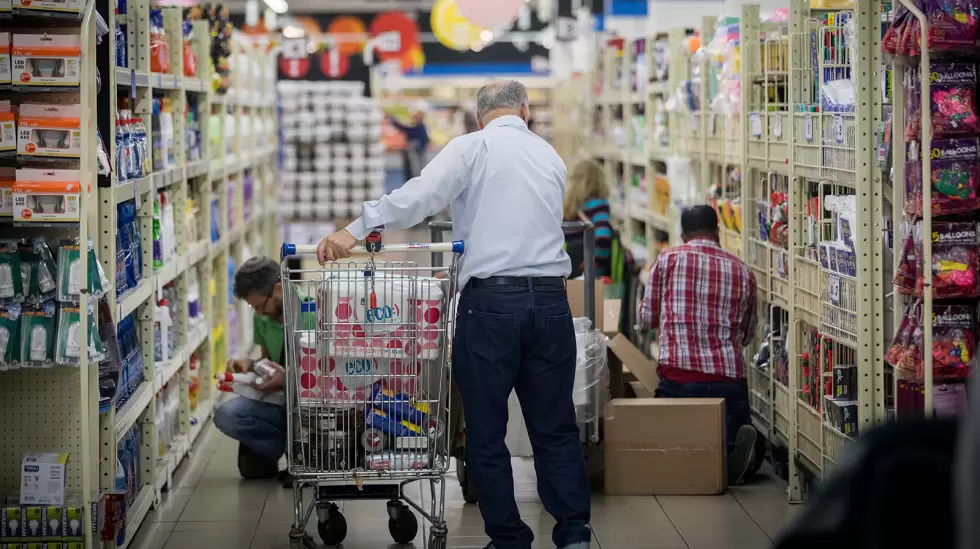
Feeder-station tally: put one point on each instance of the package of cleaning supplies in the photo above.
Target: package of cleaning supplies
(37, 335)
(9, 337)
(67, 349)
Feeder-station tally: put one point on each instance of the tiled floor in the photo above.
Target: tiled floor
(210, 507)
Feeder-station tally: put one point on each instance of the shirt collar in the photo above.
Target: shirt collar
(506, 120)
(703, 241)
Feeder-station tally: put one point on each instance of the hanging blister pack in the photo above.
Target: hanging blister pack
(37, 329)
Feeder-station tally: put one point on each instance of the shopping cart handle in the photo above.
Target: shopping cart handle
(456, 247)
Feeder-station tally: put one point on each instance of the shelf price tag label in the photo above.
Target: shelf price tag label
(808, 127)
(833, 290)
(132, 84)
(838, 128)
(777, 126)
(755, 124)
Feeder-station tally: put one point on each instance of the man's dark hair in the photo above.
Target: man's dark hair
(258, 275)
(699, 220)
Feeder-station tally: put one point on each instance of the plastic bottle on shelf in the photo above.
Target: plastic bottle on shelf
(161, 332)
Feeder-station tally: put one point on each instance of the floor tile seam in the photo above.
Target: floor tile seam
(671, 521)
(755, 522)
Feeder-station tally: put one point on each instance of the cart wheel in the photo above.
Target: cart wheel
(470, 494)
(437, 541)
(404, 528)
(308, 543)
(333, 530)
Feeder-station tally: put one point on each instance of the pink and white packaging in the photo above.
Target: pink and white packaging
(340, 381)
(407, 322)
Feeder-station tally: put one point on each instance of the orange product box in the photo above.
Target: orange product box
(49, 130)
(8, 127)
(47, 195)
(60, 6)
(7, 178)
(46, 59)
(4, 56)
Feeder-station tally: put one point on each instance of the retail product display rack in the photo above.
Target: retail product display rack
(57, 408)
(792, 177)
(238, 140)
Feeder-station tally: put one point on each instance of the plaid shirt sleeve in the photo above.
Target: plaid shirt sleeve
(650, 305)
(752, 313)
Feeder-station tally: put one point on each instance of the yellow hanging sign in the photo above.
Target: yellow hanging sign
(452, 29)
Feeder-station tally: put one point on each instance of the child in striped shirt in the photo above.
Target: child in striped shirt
(587, 192)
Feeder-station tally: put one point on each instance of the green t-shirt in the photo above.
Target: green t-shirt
(268, 333)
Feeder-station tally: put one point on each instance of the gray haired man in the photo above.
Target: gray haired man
(513, 329)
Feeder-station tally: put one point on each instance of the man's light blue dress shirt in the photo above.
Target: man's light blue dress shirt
(505, 185)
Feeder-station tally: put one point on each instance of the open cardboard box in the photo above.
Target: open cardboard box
(626, 362)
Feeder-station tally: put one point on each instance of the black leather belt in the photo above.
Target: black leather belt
(525, 281)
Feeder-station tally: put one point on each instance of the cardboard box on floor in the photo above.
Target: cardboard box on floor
(625, 362)
(665, 446)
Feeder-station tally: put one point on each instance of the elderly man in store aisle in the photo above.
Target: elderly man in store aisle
(704, 301)
(514, 329)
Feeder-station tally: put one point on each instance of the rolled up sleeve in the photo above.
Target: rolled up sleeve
(439, 183)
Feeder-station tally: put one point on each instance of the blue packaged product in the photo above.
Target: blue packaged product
(389, 425)
(399, 406)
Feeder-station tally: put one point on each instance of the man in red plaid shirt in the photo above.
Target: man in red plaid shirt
(704, 299)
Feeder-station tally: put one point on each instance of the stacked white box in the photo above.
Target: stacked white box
(332, 158)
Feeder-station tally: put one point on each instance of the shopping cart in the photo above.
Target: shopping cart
(367, 388)
(589, 418)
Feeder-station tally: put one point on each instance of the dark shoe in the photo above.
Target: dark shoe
(254, 466)
(741, 458)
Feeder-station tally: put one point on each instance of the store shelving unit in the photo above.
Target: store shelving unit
(216, 176)
(792, 160)
(57, 408)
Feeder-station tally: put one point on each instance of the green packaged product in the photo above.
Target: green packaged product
(37, 329)
(11, 283)
(66, 349)
(9, 337)
(70, 273)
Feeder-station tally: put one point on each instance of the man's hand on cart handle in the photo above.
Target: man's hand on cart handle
(272, 383)
(238, 366)
(442, 275)
(335, 246)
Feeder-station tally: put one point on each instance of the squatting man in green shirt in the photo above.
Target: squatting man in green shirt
(259, 427)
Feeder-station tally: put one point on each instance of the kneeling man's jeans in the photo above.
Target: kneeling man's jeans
(259, 425)
(521, 338)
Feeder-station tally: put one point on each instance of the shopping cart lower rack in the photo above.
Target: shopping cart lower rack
(367, 388)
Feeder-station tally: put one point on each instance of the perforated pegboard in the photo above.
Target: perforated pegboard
(40, 411)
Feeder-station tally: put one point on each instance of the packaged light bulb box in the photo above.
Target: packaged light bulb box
(46, 195)
(7, 178)
(4, 55)
(8, 124)
(46, 60)
(49, 130)
(43, 479)
(61, 6)
(664, 446)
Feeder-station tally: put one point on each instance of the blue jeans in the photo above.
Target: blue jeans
(519, 338)
(259, 425)
(736, 395)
